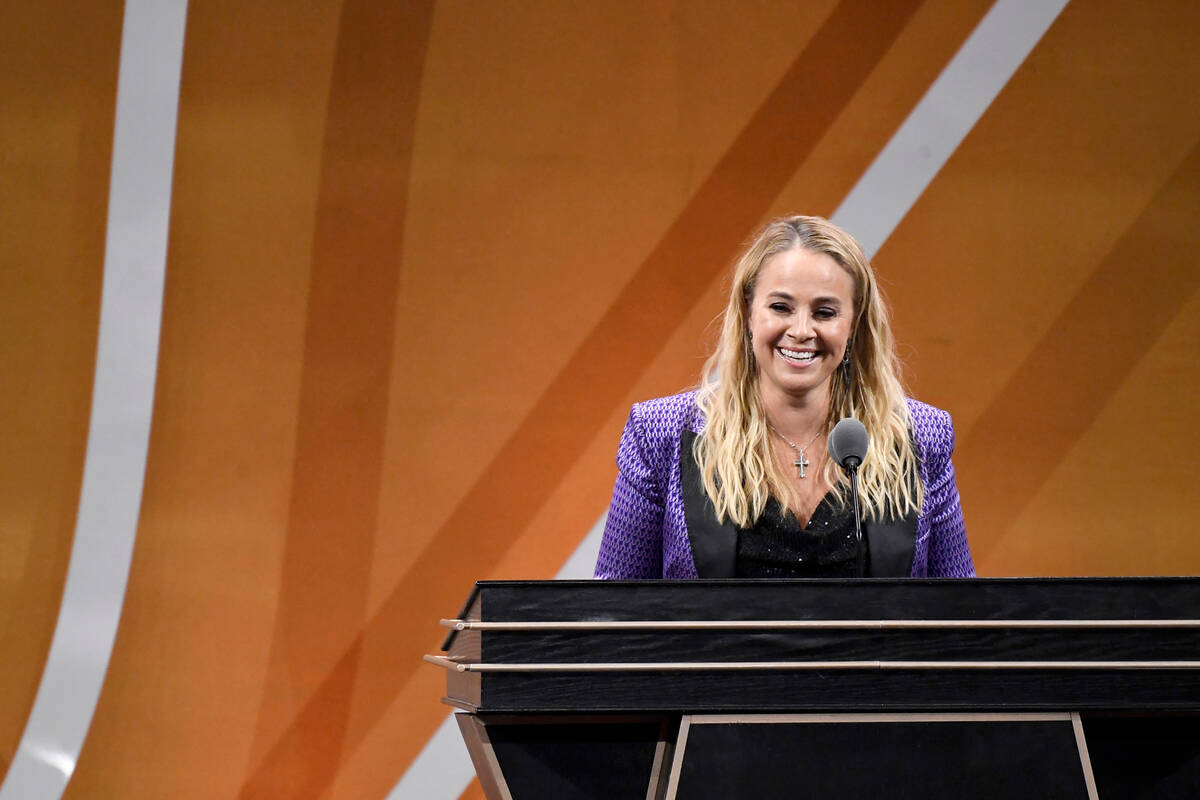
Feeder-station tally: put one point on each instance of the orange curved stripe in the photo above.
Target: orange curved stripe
(343, 396)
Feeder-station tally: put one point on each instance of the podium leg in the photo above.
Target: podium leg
(483, 757)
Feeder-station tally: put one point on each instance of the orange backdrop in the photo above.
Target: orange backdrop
(423, 257)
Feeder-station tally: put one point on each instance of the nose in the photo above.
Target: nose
(800, 330)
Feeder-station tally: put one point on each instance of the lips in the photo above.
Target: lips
(798, 358)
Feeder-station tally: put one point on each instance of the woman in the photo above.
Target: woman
(734, 480)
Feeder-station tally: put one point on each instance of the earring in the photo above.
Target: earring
(847, 367)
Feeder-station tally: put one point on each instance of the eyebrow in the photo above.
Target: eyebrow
(787, 296)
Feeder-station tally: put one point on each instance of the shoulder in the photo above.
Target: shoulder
(650, 443)
(666, 417)
(932, 429)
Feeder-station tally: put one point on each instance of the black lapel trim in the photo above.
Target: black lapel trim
(892, 543)
(714, 544)
(891, 546)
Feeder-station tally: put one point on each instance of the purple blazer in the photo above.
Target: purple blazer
(657, 526)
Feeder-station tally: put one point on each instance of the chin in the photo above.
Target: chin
(801, 387)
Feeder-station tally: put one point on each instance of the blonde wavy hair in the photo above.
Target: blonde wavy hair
(734, 453)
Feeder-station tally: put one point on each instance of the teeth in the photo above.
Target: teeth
(797, 355)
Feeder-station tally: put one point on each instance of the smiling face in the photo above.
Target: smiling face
(800, 319)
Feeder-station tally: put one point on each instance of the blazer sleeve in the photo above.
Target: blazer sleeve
(949, 553)
(632, 543)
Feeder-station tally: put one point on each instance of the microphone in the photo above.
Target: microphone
(848, 447)
(848, 443)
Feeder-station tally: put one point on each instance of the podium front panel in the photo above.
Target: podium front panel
(901, 757)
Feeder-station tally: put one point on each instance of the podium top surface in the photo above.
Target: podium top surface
(1093, 598)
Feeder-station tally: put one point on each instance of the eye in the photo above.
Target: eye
(825, 312)
(781, 308)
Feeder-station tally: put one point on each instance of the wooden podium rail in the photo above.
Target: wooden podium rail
(903, 688)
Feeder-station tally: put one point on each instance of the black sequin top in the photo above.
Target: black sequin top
(777, 547)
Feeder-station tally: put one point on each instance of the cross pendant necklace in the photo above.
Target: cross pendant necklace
(801, 462)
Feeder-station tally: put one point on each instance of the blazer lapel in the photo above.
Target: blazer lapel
(714, 544)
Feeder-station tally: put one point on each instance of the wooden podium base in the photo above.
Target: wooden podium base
(781, 755)
(990, 688)
(899, 755)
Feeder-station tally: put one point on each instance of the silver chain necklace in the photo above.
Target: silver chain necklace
(801, 462)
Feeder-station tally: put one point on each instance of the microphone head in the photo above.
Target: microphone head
(848, 442)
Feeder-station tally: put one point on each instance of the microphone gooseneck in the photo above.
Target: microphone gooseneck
(848, 447)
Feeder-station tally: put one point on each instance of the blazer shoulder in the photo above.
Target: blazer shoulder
(663, 419)
(933, 429)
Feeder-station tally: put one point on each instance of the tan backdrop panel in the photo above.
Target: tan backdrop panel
(190, 672)
(1044, 263)
(58, 73)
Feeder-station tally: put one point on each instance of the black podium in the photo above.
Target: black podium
(923, 689)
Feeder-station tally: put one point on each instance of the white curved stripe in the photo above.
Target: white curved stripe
(582, 563)
(943, 118)
(122, 401)
(871, 211)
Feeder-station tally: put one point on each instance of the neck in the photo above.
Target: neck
(795, 416)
